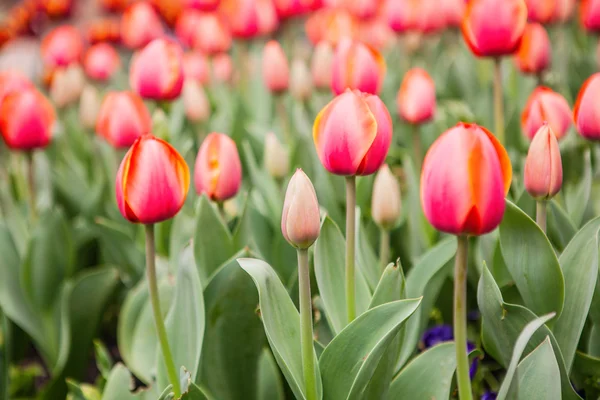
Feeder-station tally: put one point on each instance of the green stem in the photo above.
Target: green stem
(417, 147)
(384, 248)
(350, 243)
(306, 328)
(460, 319)
(161, 331)
(498, 100)
(31, 184)
(541, 213)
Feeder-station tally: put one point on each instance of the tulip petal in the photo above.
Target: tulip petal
(587, 108)
(505, 163)
(381, 145)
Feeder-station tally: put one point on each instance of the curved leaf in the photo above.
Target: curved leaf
(539, 376)
(270, 386)
(577, 196)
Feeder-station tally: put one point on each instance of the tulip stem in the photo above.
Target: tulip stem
(384, 248)
(460, 319)
(498, 101)
(306, 327)
(31, 183)
(417, 147)
(541, 213)
(350, 243)
(161, 331)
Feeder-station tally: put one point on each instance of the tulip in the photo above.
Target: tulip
(540, 11)
(156, 72)
(101, 62)
(195, 102)
(403, 15)
(212, 35)
(114, 5)
(104, 30)
(563, 10)
(202, 5)
(242, 16)
(385, 208)
(357, 66)
(533, 56)
(431, 20)
(122, 119)
(300, 220)
(89, 107)
(416, 97)
(67, 85)
(289, 8)
(267, 18)
(62, 47)
(57, 8)
(300, 81)
(331, 25)
(590, 15)
(275, 67)
(218, 170)
(321, 66)
(454, 11)
(222, 68)
(585, 113)
(276, 157)
(195, 67)
(186, 26)
(140, 25)
(376, 33)
(12, 81)
(545, 105)
(364, 9)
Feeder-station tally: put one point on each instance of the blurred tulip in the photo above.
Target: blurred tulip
(376, 33)
(62, 47)
(275, 67)
(589, 13)
(364, 9)
(321, 65)
(586, 113)
(276, 157)
(122, 119)
(301, 218)
(218, 170)
(89, 107)
(540, 11)
(152, 181)
(300, 81)
(140, 24)
(104, 30)
(290, 8)
(212, 35)
(186, 27)
(195, 67)
(114, 5)
(101, 61)
(386, 202)
(494, 28)
(353, 133)
(195, 102)
(268, 20)
(242, 16)
(416, 97)
(222, 68)
(57, 8)
(466, 175)
(67, 85)
(26, 119)
(331, 25)
(12, 81)
(357, 66)
(156, 72)
(454, 12)
(202, 5)
(545, 105)
(543, 166)
(563, 10)
(403, 15)
(533, 55)
(431, 19)
(169, 10)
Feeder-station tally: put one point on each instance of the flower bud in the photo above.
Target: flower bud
(195, 67)
(321, 66)
(101, 61)
(416, 97)
(300, 220)
(242, 16)
(275, 67)
(122, 119)
(218, 170)
(195, 102)
(62, 47)
(140, 24)
(586, 113)
(89, 107)
(67, 84)
(543, 166)
(152, 181)
(276, 157)
(533, 56)
(300, 82)
(357, 66)
(386, 202)
(545, 105)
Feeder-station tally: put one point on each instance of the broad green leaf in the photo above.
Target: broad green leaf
(349, 361)
(577, 196)
(282, 324)
(270, 386)
(560, 228)
(366, 260)
(531, 261)
(539, 376)
(391, 287)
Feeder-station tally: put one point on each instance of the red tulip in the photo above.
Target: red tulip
(152, 181)
(590, 14)
(242, 16)
(543, 166)
(218, 170)
(114, 5)
(357, 66)
(494, 28)
(541, 11)
(353, 133)
(290, 8)
(202, 5)
(416, 97)
(545, 105)
(301, 218)
(586, 113)
(12, 81)
(186, 27)
(26, 119)
(101, 62)
(195, 66)
(140, 25)
(57, 8)
(212, 35)
(466, 175)
(156, 72)
(275, 68)
(533, 56)
(61, 47)
(122, 119)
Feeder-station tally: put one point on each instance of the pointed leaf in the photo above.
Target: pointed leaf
(539, 376)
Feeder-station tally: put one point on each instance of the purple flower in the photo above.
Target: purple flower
(489, 396)
(443, 333)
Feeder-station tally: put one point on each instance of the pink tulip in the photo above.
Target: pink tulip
(62, 47)
(534, 53)
(242, 16)
(140, 24)
(301, 219)
(545, 105)
(403, 15)
(218, 170)
(186, 27)
(357, 66)
(202, 5)
(101, 62)
(590, 15)
(543, 166)
(122, 119)
(364, 9)
(321, 65)
(12, 81)
(586, 113)
(212, 36)
(195, 67)
(416, 97)
(563, 10)
(275, 68)
(268, 20)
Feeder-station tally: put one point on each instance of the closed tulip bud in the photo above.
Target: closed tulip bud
(222, 68)
(242, 16)
(321, 66)
(466, 175)
(545, 105)
(186, 26)
(357, 66)
(267, 18)
(494, 28)
(301, 219)
(89, 107)
(218, 170)
(195, 67)
(122, 119)
(195, 102)
(212, 35)
(152, 181)
(276, 157)
(101, 61)
(540, 11)
(353, 133)
(534, 54)
(156, 72)
(275, 68)
(26, 120)
(62, 47)
(416, 97)
(543, 166)
(12, 81)
(590, 15)
(140, 24)
(67, 84)
(386, 203)
(300, 82)
(586, 113)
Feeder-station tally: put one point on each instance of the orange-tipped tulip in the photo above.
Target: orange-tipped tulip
(26, 120)
(586, 113)
(11, 81)
(353, 133)
(357, 66)
(543, 166)
(218, 170)
(545, 105)
(321, 65)
(300, 219)
(541, 11)
(416, 97)
(212, 36)
(466, 175)
(386, 201)
(494, 28)
(275, 68)
(195, 67)
(534, 54)
(242, 16)
(590, 15)
(140, 25)
(62, 47)
(123, 118)
(101, 62)
(156, 72)
(152, 181)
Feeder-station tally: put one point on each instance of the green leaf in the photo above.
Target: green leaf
(270, 386)
(539, 376)
(577, 196)
(560, 228)
(391, 287)
(532, 262)
(349, 361)
(120, 383)
(104, 361)
(282, 324)
(586, 374)
(194, 392)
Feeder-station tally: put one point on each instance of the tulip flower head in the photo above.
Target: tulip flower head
(386, 203)
(353, 133)
(403, 15)
(454, 12)
(12, 81)
(590, 15)
(62, 47)
(196, 67)
(534, 54)
(211, 34)
(543, 166)
(242, 16)
(357, 66)
(101, 61)
(586, 113)
(540, 11)
(563, 10)
(466, 175)
(218, 170)
(321, 65)
(202, 5)
(152, 181)
(275, 68)
(300, 220)
(276, 157)
(416, 97)
(140, 25)
(122, 119)
(545, 105)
